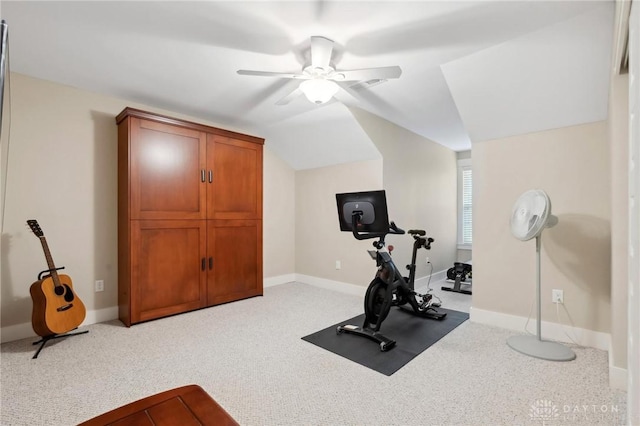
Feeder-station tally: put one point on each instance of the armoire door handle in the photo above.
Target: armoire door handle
(210, 176)
(211, 263)
(202, 177)
(203, 264)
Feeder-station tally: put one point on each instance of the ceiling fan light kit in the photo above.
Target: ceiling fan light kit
(530, 216)
(319, 90)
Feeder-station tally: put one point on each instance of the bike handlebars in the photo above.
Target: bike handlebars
(393, 229)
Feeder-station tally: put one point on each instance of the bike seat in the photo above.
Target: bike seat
(416, 232)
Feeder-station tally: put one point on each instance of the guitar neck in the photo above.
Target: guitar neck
(50, 264)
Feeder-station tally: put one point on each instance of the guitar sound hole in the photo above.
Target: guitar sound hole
(68, 295)
(59, 290)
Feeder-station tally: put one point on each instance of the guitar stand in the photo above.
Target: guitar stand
(45, 339)
(41, 275)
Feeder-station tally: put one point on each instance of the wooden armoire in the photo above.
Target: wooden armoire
(189, 216)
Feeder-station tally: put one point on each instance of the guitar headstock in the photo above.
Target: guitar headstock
(35, 228)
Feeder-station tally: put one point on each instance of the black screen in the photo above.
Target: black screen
(371, 207)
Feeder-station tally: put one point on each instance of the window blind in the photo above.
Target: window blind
(467, 206)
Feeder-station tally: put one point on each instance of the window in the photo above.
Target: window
(465, 204)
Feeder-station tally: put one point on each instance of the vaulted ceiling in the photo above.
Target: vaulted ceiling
(471, 71)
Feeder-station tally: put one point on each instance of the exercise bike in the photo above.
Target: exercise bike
(388, 288)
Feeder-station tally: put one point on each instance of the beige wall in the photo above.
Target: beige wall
(464, 255)
(279, 216)
(420, 177)
(62, 172)
(572, 165)
(319, 241)
(619, 137)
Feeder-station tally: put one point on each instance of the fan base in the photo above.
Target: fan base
(543, 349)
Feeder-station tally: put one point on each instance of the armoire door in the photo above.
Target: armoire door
(167, 267)
(235, 190)
(234, 248)
(167, 171)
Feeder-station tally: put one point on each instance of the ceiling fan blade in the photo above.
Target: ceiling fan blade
(347, 94)
(273, 74)
(383, 73)
(321, 49)
(291, 96)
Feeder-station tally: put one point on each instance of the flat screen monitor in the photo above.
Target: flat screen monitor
(371, 206)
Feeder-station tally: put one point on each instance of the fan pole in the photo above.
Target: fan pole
(534, 345)
(538, 289)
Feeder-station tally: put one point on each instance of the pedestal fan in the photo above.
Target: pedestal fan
(531, 214)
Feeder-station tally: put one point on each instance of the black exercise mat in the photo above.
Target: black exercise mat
(412, 334)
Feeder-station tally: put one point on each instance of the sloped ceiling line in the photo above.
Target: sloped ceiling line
(472, 71)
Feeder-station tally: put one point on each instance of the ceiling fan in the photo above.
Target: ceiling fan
(321, 80)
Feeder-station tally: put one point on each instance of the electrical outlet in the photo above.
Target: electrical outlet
(557, 296)
(338, 264)
(99, 285)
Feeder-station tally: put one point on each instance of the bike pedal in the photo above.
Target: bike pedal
(436, 304)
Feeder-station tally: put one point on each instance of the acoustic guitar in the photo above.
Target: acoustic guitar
(56, 307)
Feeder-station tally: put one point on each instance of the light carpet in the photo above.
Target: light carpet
(249, 356)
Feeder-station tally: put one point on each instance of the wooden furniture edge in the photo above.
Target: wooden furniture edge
(133, 112)
(212, 411)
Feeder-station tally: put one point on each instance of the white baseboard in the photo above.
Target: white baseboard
(101, 315)
(280, 279)
(347, 288)
(24, 330)
(617, 376)
(550, 330)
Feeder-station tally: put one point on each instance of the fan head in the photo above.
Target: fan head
(531, 214)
